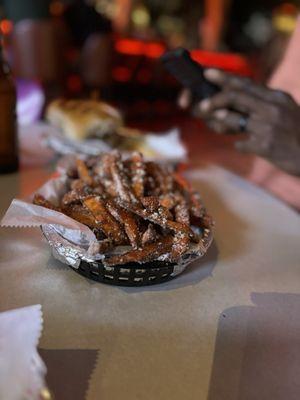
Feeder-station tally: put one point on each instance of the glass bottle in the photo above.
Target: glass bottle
(8, 128)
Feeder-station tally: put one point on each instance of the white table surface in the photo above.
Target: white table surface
(229, 328)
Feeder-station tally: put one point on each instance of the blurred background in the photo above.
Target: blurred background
(109, 49)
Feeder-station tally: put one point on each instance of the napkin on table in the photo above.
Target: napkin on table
(22, 371)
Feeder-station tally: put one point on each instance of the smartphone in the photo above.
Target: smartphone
(190, 74)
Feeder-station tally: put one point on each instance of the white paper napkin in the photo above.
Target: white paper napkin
(22, 371)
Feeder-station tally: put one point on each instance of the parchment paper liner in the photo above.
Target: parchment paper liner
(164, 147)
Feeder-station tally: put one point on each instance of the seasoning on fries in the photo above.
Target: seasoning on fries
(130, 202)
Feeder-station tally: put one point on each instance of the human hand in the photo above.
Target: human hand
(270, 117)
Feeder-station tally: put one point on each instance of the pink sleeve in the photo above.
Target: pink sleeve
(282, 185)
(286, 78)
(287, 75)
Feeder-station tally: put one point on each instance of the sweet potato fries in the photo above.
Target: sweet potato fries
(130, 202)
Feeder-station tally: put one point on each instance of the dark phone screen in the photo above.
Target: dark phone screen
(189, 73)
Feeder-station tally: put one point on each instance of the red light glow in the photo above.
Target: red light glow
(74, 83)
(132, 47)
(121, 74)
(129, 47)
(287, 8)
(6, 26)
(154, 50)
(56, 8)
(135, 47)
(229, 62)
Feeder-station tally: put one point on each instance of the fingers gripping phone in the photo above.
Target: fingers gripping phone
(190, 74)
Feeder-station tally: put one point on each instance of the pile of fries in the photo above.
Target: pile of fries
(130, 202)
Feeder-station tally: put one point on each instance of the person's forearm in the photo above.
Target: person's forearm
(213, 23)
(122, 17)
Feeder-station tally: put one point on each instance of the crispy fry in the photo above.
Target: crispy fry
(91, 162)
(150, 185)
(150, 202)
(102, 167)
(168, 201)
(149, 252)
(72, 173)
(82, 187)
(150, 235)
(81, 214)
(102, 173)
(110, 188)
(83, 172)
(206, 221)
(159, 218)
(196, 206)
(137, 174)
(182, 214)
(40, 200)
(120, 179)
(179, 227)
(78, 184)
(112, 229)
(70, 198)
(128, 220)
(181, 182)
(180, 245)
(162, 177)
(75, 196)
(103, 178)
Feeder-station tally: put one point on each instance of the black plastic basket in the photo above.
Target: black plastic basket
(132, 274)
